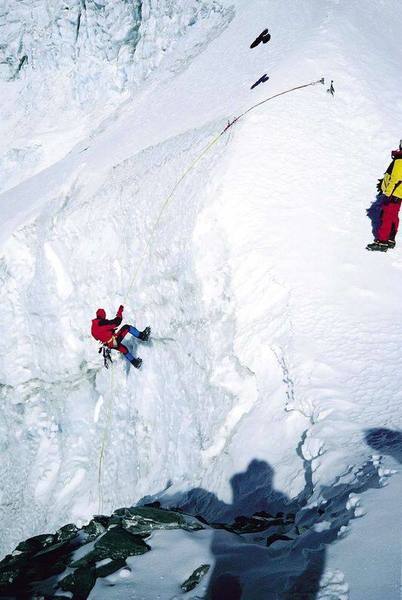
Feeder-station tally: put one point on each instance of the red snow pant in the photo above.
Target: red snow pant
(115, 342)
(389, 221)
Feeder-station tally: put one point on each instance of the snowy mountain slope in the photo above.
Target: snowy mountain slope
(276, 335)
(141, 551)
(65, 66)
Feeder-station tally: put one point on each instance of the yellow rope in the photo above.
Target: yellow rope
(162, 209)
(293, 89)
(191, 167)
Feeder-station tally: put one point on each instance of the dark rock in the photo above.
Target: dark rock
(260, 521)
(42, 565)
(277, 536)
(117, 543)
(110, 568)
(8, 575)
(142, 520)
(39, 542)
(263, 513)
(93, 530)
(102, 519)
(195, 578)
(155, 504)
(24, 569)
(224, 526)
(80, 583)
(66, 533)
(201, 518)
(115, 520)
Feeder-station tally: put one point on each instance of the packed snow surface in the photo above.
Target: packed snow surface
(276, 336)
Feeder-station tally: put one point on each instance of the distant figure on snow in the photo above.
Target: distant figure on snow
(390, 188)
(331, 89)
(104, 330)
(264, 37)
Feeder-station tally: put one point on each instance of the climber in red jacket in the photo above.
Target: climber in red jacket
(104, 330)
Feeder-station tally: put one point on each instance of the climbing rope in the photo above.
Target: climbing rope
(168, 199)
(298, 87)
(148, 245)
(163, 208)
(105, 439)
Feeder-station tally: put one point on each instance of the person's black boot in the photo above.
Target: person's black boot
(144, 335)
(377, 246)
(391, 243)
(136, 362)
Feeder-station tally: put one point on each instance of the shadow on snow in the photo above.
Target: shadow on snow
(265, 544)
(386, 441)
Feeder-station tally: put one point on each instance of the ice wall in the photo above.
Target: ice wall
(64, 66)
(60, 407)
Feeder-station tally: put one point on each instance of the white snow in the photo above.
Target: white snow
(276, 335)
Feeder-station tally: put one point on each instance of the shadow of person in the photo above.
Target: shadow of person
(252, 491)
(385, 441)
(255, 538)
(253, 546)
(307, 584)
(226, 587)
(266, 545)
(374, 214)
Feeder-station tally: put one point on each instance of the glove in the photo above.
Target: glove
(379, 186)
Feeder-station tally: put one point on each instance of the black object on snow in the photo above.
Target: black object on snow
(137, 362)
(262, 79)
(107, 355)
(264, 37)
(377, 246)
(331, 89)
(144, 335)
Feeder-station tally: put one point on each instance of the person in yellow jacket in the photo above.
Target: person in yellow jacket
(391, 196)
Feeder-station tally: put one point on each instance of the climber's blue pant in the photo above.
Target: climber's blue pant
(133, 330)
(129, 356)
(121, 334)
